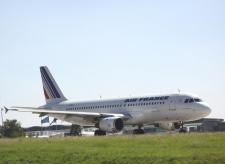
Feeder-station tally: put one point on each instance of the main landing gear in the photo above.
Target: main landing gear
(139, 130)
(100, 133)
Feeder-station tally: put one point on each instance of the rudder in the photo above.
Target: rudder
(52, 92)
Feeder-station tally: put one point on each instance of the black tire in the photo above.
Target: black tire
(100, 133)
(138, 131)
(182, 131)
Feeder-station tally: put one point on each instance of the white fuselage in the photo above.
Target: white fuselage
(166, 111)
(140, 110)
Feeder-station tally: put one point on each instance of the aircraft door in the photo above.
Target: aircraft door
(172, 106)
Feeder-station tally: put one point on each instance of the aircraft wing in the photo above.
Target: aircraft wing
(45, 111)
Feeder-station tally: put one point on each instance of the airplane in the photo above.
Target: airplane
(110, 116)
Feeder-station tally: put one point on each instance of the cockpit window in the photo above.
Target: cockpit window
(186, 101)
(191, 100)
(197, 100)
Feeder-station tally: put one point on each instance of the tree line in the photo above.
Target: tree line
(11, 129)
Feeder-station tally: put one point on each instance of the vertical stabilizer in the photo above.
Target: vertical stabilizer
(52, 92)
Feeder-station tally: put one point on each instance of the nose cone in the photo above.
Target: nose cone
(204, 109)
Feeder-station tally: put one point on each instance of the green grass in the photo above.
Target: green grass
(172, 148)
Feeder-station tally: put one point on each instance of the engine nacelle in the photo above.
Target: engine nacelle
(110, 124)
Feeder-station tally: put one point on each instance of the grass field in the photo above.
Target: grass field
(171, 148)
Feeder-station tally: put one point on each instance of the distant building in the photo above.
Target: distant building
(55, 131)
(221, 126)
(45, 132)
(206, 125)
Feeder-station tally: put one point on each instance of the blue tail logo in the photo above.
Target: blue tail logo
(50, 87)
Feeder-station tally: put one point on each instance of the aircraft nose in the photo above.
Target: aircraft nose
(205, 110)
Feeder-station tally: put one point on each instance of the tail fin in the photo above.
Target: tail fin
(52, 92)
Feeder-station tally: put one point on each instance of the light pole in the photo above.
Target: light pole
(2, 115)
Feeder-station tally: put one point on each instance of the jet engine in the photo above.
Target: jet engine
(110, 124)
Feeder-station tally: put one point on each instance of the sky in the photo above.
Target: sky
(111, 49)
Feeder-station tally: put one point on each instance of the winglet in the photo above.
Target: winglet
(6, 109)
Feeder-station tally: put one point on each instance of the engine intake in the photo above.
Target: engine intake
(111, 124)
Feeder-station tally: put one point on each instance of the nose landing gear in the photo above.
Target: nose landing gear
(139, 130)
(182, 129)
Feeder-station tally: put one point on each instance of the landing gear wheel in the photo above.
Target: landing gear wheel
(100, 133)
(138, 131)
(182, 129)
